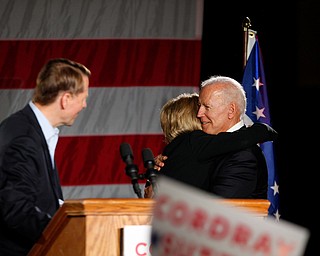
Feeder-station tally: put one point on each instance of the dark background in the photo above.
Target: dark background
(289, 38)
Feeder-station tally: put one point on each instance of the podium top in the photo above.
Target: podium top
(108, 206)
(134, 206)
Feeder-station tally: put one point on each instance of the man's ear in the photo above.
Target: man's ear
(65, 100)
(232, 110)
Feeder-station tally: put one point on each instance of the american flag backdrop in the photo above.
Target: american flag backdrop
(254, 83)
(140, 53)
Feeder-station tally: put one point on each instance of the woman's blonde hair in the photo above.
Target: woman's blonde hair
(179, 115)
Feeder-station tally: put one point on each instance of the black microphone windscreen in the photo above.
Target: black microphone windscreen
(147, 156)
(126, 151)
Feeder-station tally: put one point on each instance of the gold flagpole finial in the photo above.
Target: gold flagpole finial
(246, 24)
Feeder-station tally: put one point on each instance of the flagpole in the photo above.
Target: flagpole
(246, 24)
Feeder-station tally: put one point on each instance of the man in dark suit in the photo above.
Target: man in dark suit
(30, 191)
(194, 156)
(240, 174)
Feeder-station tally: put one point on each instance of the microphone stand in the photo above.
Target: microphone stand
(132, 172)
(132, 169)
(151, 173)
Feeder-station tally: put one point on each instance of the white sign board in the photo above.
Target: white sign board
(187, 221)
(137, 240)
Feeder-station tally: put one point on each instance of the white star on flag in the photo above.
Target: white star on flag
(277, 215)
(259, 112)
(275, 188)
(257, 83)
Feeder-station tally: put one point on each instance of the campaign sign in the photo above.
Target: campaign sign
(187, 221)
(137, 240)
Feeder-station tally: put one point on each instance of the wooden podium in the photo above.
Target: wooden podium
(92, 227)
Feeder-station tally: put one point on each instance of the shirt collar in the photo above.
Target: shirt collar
(236, 127)
(48, 130)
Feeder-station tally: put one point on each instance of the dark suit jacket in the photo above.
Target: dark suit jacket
(229, 164)
(242, 174)
(29, 186)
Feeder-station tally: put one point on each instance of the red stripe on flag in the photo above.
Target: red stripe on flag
(112, 62)
(97, 160)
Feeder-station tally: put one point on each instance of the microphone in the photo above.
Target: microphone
(151, 173)
(131, 168)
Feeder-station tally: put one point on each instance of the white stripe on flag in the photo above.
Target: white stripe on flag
(100, 191)
(94, 19)
(110, 111)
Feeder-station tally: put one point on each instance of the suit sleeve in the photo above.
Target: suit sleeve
(209, 146)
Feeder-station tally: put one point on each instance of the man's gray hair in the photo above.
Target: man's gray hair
(234, 91)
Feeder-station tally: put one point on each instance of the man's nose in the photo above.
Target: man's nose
(200, 112)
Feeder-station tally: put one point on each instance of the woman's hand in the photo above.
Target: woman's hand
(159, 161)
